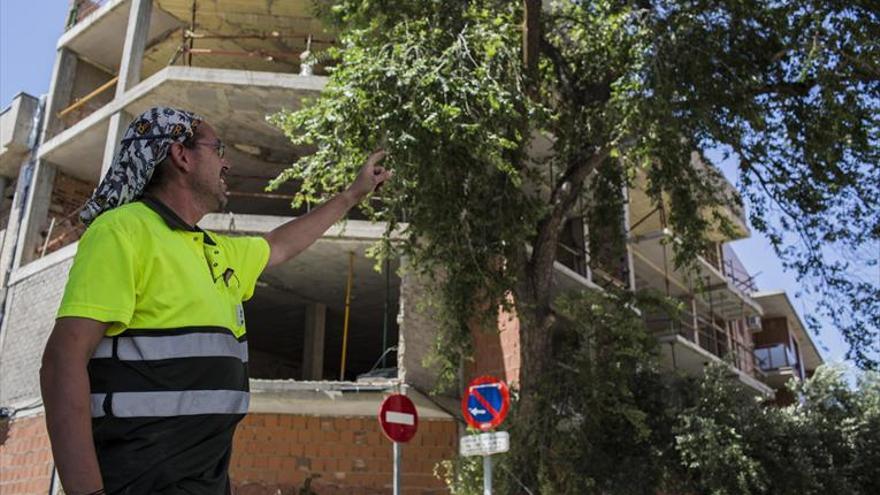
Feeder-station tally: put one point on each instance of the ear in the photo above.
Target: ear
(181, 158)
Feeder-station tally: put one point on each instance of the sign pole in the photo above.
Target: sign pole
(487, 475)
(397, 468)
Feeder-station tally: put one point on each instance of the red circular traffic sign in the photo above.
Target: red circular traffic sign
(485, 402)
(398, 418)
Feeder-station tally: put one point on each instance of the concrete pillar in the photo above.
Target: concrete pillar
(115, 130)
(130, 65)
(13, 227)
(630, 265)
(313, 342)
(60, 91)
(135, 41)
(36, 210)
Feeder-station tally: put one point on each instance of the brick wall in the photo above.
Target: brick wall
(496, 352)
(69, 194)
(25, 457)
(31, 307)
(273, 454)
(277, 453)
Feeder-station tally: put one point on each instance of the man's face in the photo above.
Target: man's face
(209, 178)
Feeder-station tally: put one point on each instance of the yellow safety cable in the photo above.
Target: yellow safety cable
(347, 311)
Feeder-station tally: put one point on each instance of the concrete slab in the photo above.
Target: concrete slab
(99, 37)
(16, 124)
(679, 353)
(216, 94)
(333, 399)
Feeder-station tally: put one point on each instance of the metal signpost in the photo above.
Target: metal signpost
(399, 420)
(484, 406)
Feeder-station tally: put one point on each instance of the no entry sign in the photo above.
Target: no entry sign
(398, 418)
(485, 403)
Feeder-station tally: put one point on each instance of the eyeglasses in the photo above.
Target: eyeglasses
(219, 146)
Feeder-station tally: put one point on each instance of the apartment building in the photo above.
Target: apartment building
(312, 418)
(329, 337)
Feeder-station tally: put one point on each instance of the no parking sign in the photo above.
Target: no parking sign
(485, 402)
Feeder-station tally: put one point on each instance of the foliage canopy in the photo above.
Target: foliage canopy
(789, 88)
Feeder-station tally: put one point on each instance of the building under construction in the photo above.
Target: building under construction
(329, 336)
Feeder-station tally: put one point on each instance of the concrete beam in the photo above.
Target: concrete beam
(135, 41)
(313, 345)
(36, 211)
(60, 90)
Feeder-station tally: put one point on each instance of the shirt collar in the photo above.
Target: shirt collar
(171, 218)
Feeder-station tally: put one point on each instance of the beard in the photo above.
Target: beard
(212, 195)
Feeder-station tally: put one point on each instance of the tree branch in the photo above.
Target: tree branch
(563, 198)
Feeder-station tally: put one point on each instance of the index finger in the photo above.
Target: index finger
(376, 156)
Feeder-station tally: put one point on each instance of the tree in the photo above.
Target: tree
(825, 443)
(459, 93)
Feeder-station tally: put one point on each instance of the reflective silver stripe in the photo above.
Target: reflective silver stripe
(146, 348)
(104, 349)
(167, 404)
(98, 405)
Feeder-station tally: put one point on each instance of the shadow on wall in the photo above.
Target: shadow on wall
(4, 431)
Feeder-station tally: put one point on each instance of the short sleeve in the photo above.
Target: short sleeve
(103, 279)
(248, 256)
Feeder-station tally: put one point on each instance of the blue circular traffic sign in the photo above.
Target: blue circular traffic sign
(485, 402)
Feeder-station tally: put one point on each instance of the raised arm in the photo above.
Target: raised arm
(64, 381)
(295, 236)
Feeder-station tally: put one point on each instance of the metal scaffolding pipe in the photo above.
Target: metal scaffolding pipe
(85, 99)
(347, 314)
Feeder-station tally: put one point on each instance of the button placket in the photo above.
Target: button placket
(216, 262)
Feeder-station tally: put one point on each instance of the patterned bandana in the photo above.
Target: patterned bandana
(144, 145)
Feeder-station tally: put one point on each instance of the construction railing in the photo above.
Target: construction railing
(572, 257)
(712, 338)
(743, 357)
(683, 325)
(736, 272)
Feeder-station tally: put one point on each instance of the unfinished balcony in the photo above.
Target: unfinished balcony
(691, 341)
(90, 57)
(718, 290)
(260, 36)
(233, 62)
(783, 348)
(779, 364)
(649, 214)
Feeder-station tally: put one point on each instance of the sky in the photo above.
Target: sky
(29, 31)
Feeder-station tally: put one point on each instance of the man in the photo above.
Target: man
(144, 377)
